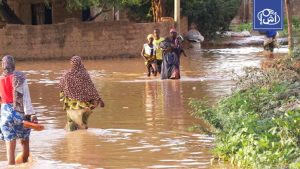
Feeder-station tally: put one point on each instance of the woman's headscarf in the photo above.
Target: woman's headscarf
(8, 65)
(77, 84)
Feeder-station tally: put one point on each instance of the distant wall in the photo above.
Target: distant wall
(87, 39)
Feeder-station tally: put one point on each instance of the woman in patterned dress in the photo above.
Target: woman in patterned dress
(78, 95)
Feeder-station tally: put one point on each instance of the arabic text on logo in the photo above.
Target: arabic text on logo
(268, 17)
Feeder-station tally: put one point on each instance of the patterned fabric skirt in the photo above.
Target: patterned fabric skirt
(77, 113)
(11, 124)
(170, 66)
(77, 119)
(72, 104)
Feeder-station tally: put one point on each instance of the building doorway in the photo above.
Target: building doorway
(41, 14)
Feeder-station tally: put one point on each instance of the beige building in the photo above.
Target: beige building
(36, 12)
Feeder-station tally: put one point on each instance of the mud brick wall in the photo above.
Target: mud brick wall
(91, 39)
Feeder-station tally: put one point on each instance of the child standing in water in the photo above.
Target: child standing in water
(149, 54)
(15, 108)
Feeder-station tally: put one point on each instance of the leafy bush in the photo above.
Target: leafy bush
(243, 27)
(140, 12)
(258, 125)
(295, 25)
(210, 16)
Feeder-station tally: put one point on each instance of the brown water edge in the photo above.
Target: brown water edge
(145, 121)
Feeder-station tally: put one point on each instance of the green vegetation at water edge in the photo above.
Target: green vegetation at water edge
(243, 27)
(295, 25)
(258, 125)
(249, 26)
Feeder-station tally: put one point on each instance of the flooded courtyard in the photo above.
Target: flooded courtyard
(145, 121)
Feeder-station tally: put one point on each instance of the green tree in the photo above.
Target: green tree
(82, 4)
(210, 16)
(144, 11)
(103, 5)
(140, 12)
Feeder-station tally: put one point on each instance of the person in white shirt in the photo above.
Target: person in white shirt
(16, 107)
(149, 55)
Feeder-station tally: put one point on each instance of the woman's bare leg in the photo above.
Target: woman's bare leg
(10, 150)
(25, 149)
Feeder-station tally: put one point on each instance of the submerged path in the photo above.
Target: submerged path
(145, 122)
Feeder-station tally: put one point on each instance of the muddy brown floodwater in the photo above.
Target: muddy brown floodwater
(145, 122)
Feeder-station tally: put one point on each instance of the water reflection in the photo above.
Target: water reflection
(173, 107)
(145, 121)
(153, 98)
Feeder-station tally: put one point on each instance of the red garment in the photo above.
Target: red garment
(6, 89)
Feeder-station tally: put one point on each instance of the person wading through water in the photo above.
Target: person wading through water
(156, 42)
(270, 42)
(149, 54)
(16, 107)
(79, 95)
(170, 65)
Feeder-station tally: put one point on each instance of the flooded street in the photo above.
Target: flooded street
(145, 121)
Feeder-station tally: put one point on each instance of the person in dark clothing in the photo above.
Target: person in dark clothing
(270, 41)
(170, 66)
(176, 42)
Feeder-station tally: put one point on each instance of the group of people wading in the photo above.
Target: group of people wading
(162, 55)
(78, 94)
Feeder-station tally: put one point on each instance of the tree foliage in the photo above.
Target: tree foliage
(210, 16)
(82, 4)
(140, 12)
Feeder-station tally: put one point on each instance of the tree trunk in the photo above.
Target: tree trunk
(157, 10)
(103, 9)
(289, 23)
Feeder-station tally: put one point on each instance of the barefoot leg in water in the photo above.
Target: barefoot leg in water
(10, 149)
(77, 119)
(25, 150)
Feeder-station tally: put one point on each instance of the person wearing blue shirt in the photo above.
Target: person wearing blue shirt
(270, 41)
